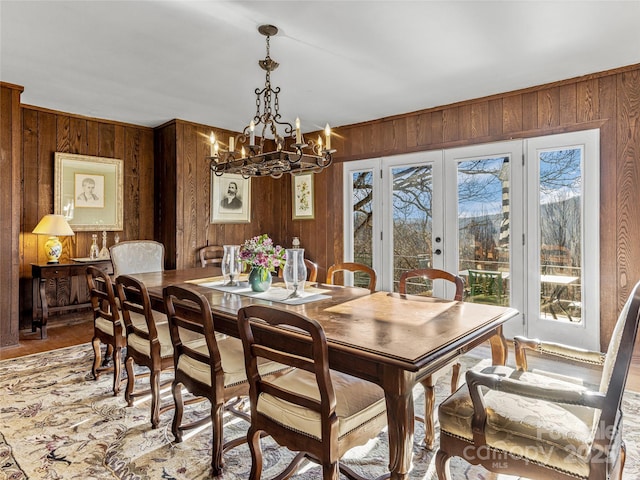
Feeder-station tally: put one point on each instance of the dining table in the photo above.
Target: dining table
(390, 339)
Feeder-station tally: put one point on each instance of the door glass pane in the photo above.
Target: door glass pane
(412, 223)
(560, 224)
(362, 223)
(483, 229)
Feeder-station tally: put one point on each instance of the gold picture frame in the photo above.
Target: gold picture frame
(303, 198)
(88, 191)
(230, 198)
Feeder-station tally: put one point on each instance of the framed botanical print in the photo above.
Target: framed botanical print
(302, 189)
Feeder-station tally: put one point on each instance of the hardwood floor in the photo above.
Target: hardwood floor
(78, 329)
(73, 329)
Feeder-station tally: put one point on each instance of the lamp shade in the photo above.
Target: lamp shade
(54, 226)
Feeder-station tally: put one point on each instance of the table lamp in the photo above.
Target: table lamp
(55, 226)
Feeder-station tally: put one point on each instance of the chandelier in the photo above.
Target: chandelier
(291, 154)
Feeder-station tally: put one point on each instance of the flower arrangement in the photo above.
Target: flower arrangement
(260, 251)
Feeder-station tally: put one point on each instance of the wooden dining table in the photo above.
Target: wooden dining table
(390, 339)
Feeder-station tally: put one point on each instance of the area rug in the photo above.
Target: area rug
(56, 422)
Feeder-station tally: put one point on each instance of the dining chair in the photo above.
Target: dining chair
(538, 424)
(208, 366)
(312, 270)
(428, 383)
(317, 412)
(108, 327)
(148, 343)
(211, 255)
(137, 256)
(356, 268)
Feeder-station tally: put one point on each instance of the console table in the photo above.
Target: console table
(51, 272)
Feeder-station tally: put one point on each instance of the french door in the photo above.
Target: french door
(485, 212)
(563, 218)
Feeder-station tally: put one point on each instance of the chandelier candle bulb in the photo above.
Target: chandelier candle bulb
(242, 153)
(252, 134)
(232, 144)
(298, 134)
(319, 144)
(212, 140)
(327, 134)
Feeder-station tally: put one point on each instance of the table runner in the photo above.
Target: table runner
(274, 294)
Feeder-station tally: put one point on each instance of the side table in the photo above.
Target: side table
(44, 272)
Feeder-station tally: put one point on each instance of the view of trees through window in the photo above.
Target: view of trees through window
(483, 201)
(560, 223)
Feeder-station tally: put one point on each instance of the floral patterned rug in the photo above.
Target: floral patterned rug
(56, 422)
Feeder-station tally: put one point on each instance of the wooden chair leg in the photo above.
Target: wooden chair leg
(108, 355)
(131, 380)
(253, 438)
(455, 377)
(154, 384)
(442, 465)
(176, 388)
(97, 357)
(217, 463)
(429, 403)
(117, 367)
(621, 460)
(330, 471)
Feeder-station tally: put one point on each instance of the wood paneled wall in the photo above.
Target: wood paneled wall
(183, 188)
(184, 200)
(609, 101)
(45, 132)
(10, 195)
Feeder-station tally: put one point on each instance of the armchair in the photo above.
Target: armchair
(540, 425)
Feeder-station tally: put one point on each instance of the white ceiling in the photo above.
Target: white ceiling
(342, 62)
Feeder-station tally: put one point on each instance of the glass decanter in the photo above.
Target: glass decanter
(295, 271)
(231, 265)
(104, 252)
(94, 251)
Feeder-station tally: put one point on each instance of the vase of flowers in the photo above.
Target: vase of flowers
(263, 257)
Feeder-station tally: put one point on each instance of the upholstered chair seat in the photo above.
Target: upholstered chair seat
(357, 403)
(142, 345)
(537, 429)
(232, 358)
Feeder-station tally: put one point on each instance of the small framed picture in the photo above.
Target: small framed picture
(230, 198)
(88, 191)
(302, 189)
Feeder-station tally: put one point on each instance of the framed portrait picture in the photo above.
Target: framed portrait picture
(88, 191)
(302, 189)
(230, 198)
